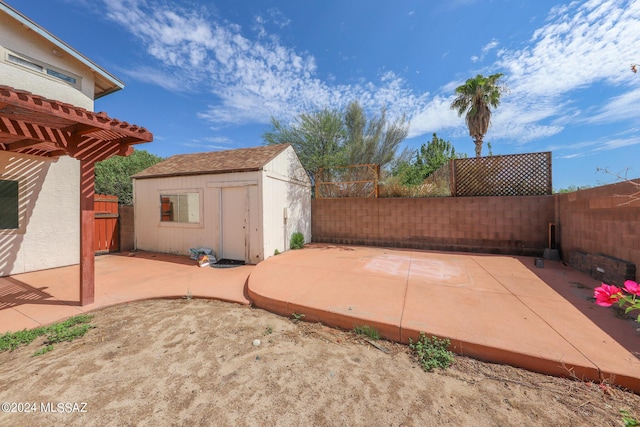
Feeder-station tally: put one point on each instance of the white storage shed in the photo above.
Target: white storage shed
(244, 204)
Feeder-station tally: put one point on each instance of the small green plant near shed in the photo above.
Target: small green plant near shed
(431, 352)
(297, 240)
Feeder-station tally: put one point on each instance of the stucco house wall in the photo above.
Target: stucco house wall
(48, 189)
(49, 234)
(24, 43)
(34, 60)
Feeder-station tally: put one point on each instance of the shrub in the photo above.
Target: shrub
(432, 352)
(297, 240)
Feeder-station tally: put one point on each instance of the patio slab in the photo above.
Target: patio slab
(495, 308)
(33, 299)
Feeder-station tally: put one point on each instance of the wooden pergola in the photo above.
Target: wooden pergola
(31, 124)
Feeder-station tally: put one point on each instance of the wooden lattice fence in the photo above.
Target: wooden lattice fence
(347, 181)
(509, 175)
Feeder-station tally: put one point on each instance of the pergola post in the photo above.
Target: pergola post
(87, 220)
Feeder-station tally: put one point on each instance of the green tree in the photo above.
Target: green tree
(316, 137)
(328, 138)
(426, 160)
(490, 149)
(372, 141)
(474, 98)
(113, 176)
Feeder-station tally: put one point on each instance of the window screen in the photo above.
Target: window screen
(184, 207)
(8, 204)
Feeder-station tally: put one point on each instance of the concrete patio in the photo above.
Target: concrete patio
(497, 308)
(32, 299)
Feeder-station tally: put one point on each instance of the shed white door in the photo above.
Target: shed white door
(234, 227)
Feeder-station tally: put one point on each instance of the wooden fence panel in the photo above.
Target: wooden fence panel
(107, 234)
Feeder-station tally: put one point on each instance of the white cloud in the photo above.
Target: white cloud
(278, 18)
(618, 108)
(252, 79)
(582, 146)
(579, 45)
(205, 147)
(592, 147)
(435, 117)
(157, 77)
(612, 144)
(210, 143)
(218, 139)
(485, 49)
(253, 76)
(490, 46)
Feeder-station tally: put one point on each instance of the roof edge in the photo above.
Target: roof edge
(279, 149)
(168, 175)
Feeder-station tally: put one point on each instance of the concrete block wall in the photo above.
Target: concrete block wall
(127, 237)
(609, 270)
(507, 225)
(600, 221)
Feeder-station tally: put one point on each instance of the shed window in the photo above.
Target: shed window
(184, 207)
(8, 205)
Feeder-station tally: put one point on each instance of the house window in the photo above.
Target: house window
(42, 68)
(28, 64)
(183, 208)
(62, 76)
(8, 205)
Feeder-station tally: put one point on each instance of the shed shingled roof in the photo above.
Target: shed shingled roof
(216, 162)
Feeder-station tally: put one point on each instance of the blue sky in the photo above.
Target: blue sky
(208, 75)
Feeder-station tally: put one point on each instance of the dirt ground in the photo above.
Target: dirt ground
(192, 362)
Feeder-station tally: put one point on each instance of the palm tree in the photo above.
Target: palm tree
(474, 98)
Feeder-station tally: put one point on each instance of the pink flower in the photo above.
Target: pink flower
(632, 287)
(607, 295)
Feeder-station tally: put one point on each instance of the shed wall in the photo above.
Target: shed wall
(280, 194)
(285, 185)
(169, 237)
(287, 164)
(49, 223)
